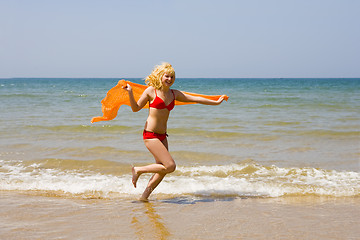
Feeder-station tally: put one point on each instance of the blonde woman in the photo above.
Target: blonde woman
(161, 101)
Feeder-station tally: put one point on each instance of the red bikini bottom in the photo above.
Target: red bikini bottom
(151, 135)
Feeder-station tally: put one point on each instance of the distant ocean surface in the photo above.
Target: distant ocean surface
(273, 138)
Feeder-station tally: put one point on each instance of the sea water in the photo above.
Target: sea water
(272, 138)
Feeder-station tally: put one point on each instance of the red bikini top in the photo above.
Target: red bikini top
(158, 103)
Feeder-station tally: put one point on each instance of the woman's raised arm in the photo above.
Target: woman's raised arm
(183, 97)
(144, 98)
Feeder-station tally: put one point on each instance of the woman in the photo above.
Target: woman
(161, 101)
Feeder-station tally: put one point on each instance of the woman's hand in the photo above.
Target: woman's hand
(220, 100)
(127, 87)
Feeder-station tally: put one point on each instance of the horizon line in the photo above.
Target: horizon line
(181, 77)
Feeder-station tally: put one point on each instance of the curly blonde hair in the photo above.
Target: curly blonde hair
(154, 79)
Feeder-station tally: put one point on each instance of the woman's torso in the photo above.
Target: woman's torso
(159, 111)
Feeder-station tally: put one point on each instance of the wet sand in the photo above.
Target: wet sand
(24, 216)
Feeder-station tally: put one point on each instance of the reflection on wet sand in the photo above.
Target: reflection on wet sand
(148, 224)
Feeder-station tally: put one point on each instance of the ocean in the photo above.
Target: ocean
(273, 139)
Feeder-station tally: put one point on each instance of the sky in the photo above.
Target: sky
(223, 38)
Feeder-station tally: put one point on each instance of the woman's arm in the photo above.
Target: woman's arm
(144, 98)
(183, 97)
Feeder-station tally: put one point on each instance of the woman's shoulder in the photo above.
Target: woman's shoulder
(149, 89)
(175, 91)
(150, 92)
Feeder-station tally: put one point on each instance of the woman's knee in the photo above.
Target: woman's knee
(170, 167)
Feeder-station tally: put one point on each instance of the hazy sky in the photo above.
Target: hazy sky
(224, 38)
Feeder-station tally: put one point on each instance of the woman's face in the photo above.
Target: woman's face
(168, 79)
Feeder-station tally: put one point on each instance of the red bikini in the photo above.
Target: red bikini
(151, 135)
(158, 103)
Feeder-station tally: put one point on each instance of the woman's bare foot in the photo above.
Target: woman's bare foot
(135, 176)
(143, 199)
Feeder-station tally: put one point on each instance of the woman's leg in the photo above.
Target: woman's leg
(164, 164)
(153, 183)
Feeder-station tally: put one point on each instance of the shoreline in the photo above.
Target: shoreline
(25, 216)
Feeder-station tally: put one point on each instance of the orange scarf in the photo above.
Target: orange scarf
(118, 96)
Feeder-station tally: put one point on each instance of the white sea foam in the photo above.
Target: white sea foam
(218, 181)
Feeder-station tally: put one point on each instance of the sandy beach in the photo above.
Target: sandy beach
(41, 217)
